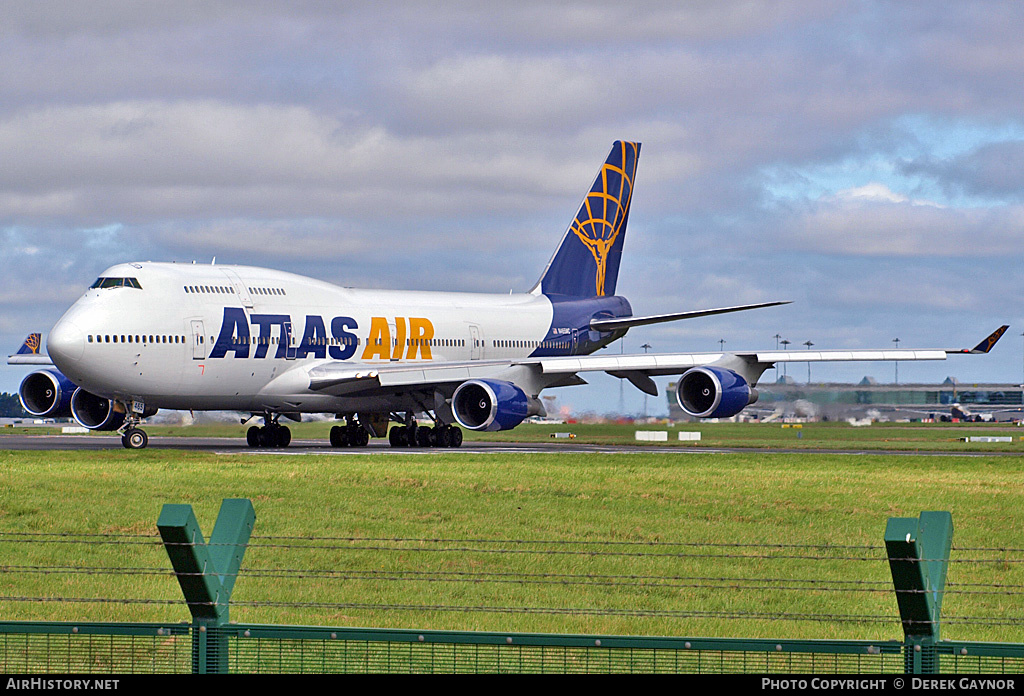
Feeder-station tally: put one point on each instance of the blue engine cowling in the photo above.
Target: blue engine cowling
(95, 412)
(487, 404)
(47, 394)
(713, 392)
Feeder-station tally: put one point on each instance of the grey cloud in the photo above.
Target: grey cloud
(882, 228)
(993, 170)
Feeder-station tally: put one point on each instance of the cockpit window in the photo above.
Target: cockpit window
(116, 283)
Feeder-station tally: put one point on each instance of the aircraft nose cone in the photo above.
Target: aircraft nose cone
(66, 343)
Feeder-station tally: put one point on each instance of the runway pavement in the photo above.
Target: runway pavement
(231, 445)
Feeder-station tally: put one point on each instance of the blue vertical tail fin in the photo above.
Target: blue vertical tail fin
(31, 345)
(586, 263)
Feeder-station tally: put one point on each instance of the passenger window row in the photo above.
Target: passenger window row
(153, 339)
(218, 289)
(123, 338)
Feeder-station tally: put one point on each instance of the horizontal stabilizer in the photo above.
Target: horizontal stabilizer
(29, 353)
(617, 323)
(29, 360)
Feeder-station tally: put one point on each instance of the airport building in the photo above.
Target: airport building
(868, 399)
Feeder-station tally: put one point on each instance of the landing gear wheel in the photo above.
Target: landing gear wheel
(268, 436)
(283, 436)
(423, 437)
(441, 436)
(338, 438)
(134, 438)
(456, 436)
(396, 436)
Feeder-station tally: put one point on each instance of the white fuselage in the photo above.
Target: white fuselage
(186, 336)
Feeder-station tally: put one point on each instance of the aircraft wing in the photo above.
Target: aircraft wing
(343, 378)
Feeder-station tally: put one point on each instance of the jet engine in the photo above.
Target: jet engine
(47, 394)
(486, 404)
(95, 412)
(713, 392)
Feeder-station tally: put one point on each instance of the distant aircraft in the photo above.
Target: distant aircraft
(147, 336)
(962, 414)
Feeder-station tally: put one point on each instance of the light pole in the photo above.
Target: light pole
(646, 347)
(622, 400)
(1022, 388)
(785, 346)
(808, 344)
(721, 344)
(777, 337)
(897, 342)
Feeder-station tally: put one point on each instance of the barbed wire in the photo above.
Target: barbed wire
(662, 551)
(563, 579)
(258, 543)
(573, 611)
(75, 537)
(358, 545)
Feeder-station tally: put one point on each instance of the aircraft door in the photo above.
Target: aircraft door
(290, 350)
(198, 340)
(476, 344)
(239, 287)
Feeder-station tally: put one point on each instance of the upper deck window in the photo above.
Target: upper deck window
(116, 283)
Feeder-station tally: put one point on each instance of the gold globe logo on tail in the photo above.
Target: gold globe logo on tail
(602, 216)
(33, 342)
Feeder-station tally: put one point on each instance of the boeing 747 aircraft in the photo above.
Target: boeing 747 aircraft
(147, 336)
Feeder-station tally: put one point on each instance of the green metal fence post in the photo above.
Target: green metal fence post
(206, 572)
(918, 551)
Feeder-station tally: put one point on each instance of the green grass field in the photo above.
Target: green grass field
(689, 543)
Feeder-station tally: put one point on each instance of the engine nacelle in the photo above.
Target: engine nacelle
(46, 393)
(713, 392)
(487, 404)
(95, 412)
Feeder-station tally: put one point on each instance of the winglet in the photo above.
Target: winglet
(986, 345)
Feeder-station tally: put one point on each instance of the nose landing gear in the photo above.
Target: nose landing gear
(132, 436)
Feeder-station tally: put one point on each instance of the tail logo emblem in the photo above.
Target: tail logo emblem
(33, 342)
(602, 216)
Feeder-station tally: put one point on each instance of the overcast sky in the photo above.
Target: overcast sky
(862, 159)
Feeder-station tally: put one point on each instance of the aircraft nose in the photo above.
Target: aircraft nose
(66, 343)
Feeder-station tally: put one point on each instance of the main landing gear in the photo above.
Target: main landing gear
(271, 435)
(421, 436)
(352, 434)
